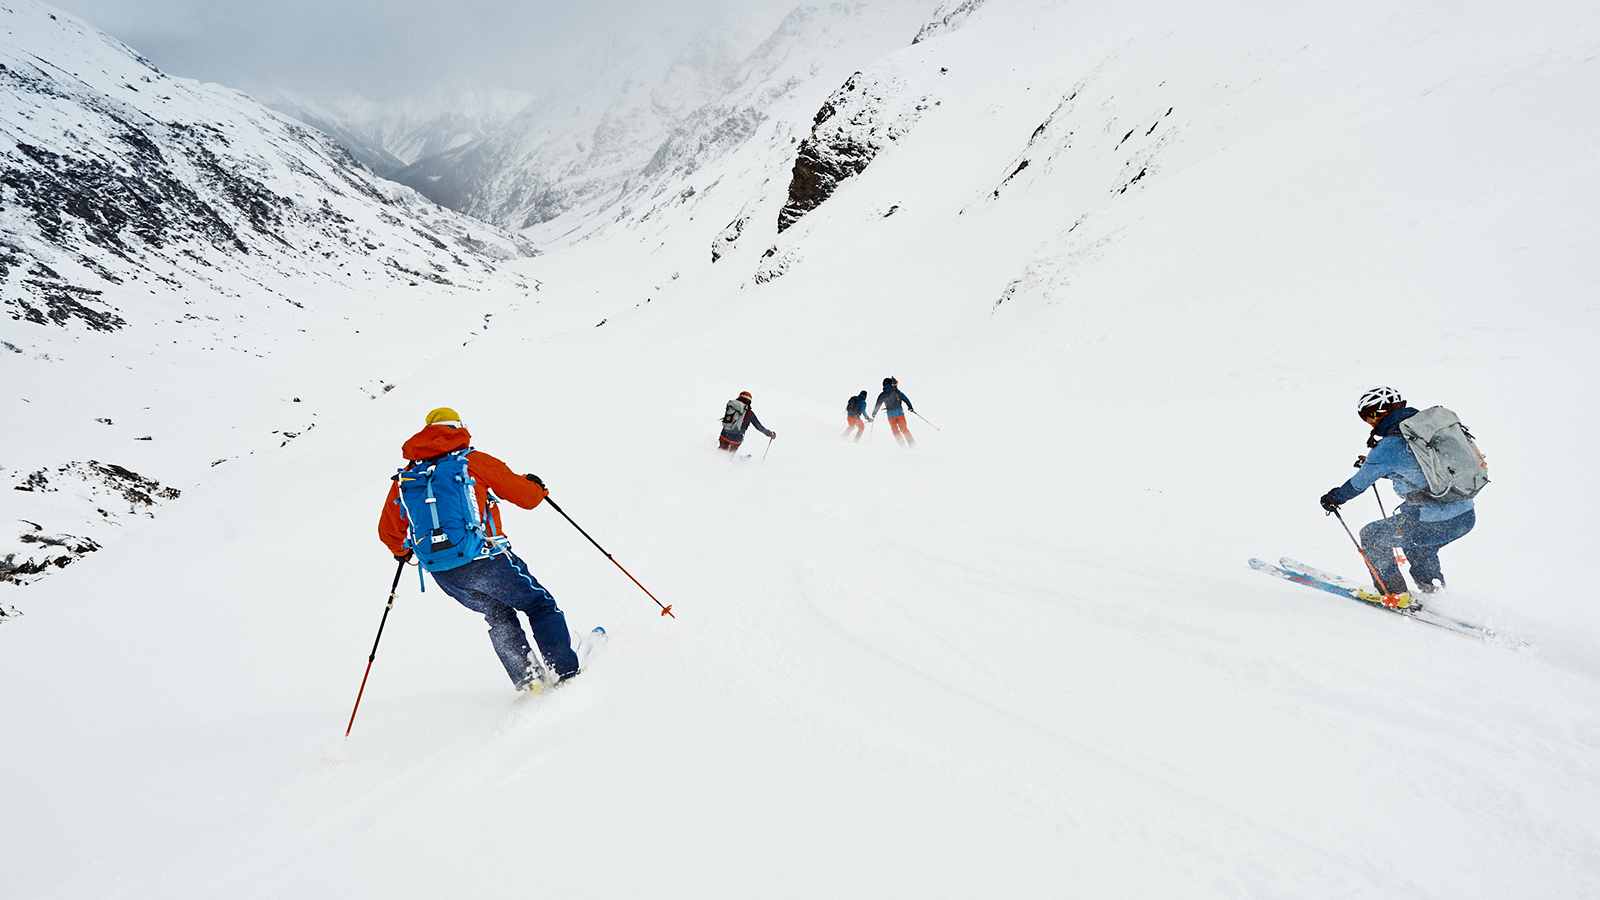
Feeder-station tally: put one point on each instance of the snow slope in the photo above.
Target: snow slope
(178, 265)
(1024, 659)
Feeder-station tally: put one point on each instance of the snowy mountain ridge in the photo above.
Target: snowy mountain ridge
(140, 211)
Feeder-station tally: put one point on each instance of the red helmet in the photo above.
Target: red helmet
(744, 395)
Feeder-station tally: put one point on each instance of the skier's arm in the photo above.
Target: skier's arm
(392, 522)
(879, 404)
(909, 407)
(506, 484)
(760, 427)
(1380, 463)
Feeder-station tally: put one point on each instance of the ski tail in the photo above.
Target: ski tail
(1295, 565)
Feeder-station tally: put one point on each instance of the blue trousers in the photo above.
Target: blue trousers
(1420, 540)
(497, 588)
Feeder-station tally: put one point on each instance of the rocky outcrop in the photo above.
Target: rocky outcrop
(726, 239)
(856, 122)
(115, 492)
(947, 17)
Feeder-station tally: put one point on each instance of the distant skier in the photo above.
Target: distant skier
(855, 410)
(737, 417)
(892, 400)
(440, 508)
(1422, 524)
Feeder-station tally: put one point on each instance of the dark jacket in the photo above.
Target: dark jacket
(892, 398)
(738, 429)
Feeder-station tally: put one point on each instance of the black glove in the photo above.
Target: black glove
(772, 435)
(1328, 503)
(1360, 461)
(403, 557)
(535, 480)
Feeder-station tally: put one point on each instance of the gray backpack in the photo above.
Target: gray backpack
(1444, 448)
(733, 415)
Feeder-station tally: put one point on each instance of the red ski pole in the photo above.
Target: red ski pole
(1364, 558)
(393, 589)
(666, 609)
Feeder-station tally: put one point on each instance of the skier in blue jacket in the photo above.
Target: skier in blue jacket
(892, 399)
(1421, 525)
(855, 409)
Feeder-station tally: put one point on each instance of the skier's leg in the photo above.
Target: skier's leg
(1379, 539)
(1422, 540)
(548, 623)
(465, 585)
(902, 430)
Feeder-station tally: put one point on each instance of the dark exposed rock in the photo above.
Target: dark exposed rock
(855, 123)
(727, 238)
(44, 551)
(53, 551)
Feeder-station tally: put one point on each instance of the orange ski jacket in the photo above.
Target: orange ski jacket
(490, 474)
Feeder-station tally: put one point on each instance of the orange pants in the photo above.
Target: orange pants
(855, 423)
(897, 425)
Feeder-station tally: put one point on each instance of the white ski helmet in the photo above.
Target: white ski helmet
(1381, 398)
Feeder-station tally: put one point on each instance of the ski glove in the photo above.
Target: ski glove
(535, 480)
(1328, 503)
(403, 557)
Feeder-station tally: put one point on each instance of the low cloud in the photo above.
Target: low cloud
(391, 48)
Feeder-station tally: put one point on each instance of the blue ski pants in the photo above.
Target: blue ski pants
(1421, 542)
(497, 588)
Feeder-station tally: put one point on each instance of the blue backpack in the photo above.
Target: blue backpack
(446, 528)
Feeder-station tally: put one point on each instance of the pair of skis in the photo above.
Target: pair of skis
(1300, 573)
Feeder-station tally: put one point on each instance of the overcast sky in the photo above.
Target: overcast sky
(382, 48)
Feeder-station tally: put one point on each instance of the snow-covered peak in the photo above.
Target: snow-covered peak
(142, 211)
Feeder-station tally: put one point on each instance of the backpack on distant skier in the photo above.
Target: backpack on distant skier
(1450, 459)
(733, 416)
(445, 526)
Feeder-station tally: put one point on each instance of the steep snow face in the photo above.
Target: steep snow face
(149, 217)
(733, 155)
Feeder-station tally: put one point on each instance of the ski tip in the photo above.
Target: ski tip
(598, 629)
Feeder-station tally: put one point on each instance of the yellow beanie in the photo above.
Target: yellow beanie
(444, 415)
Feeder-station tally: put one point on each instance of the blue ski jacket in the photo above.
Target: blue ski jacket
(1391, 458)
(857, 406)
(891, 398)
